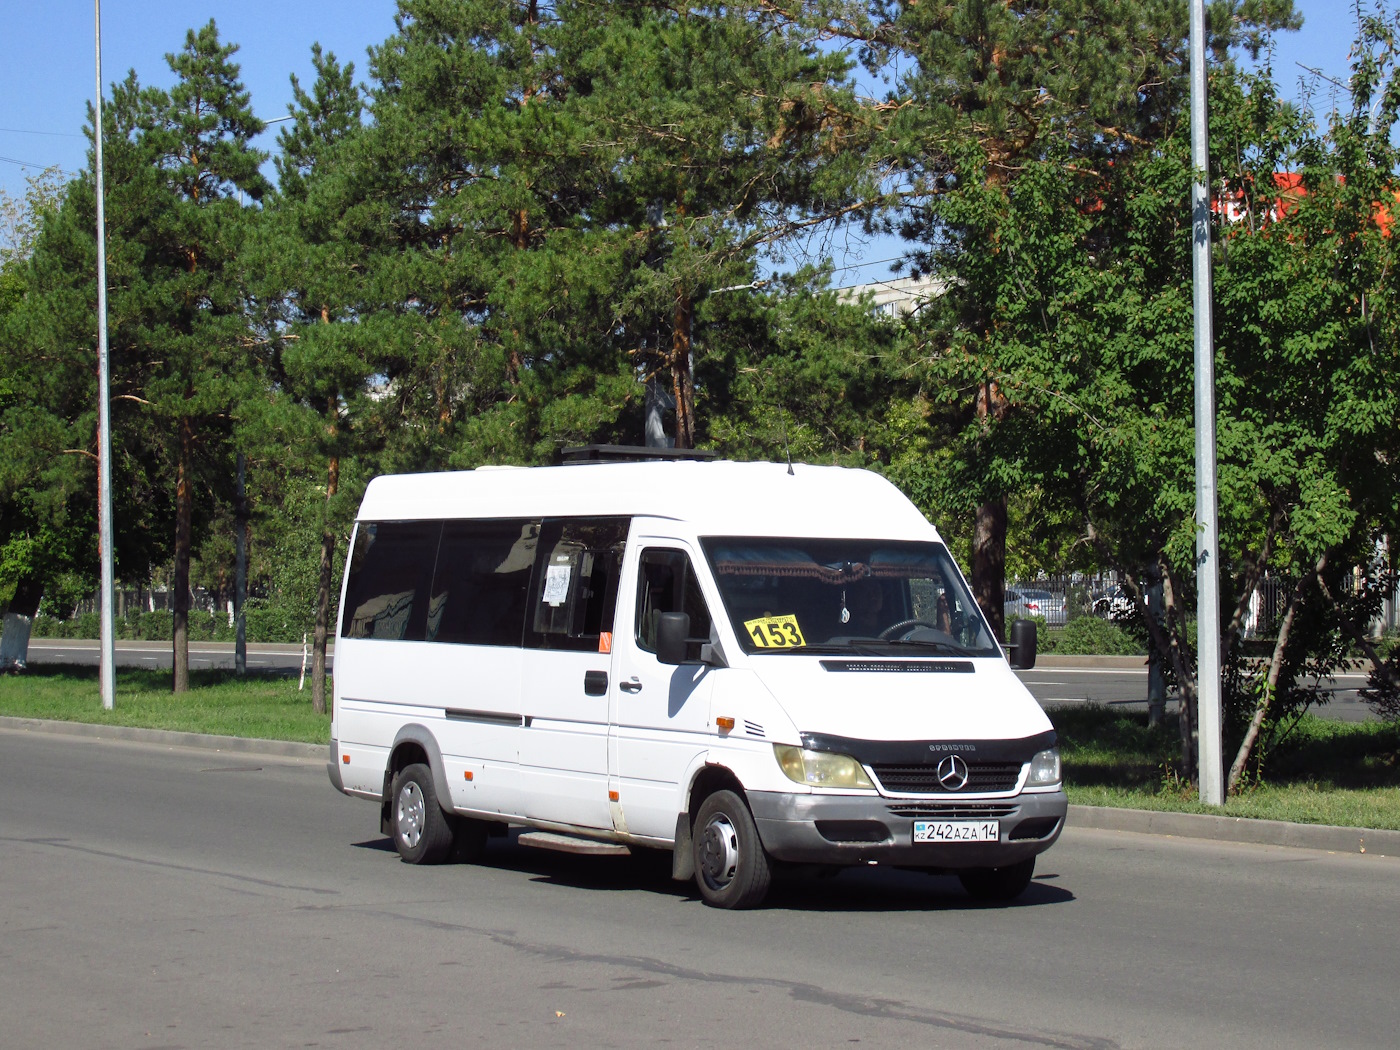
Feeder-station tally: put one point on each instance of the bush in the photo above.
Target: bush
(263, 625)
(1091, 636)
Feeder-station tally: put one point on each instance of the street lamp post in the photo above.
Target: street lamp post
(1209, 749)
(108, 671)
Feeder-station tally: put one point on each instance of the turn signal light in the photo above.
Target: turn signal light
(345, 759)
(725, 722)
(613, 796)
(466, 774)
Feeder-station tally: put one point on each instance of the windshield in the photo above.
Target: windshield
(850, 596)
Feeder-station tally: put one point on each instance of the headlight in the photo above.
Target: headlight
(1045, 767)
(821, 768)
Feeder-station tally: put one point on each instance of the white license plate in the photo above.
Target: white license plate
(957, 830)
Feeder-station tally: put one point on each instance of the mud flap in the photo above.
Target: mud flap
(682, 855)
(386, 822)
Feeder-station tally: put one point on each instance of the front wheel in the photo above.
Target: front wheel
(421, 832)
(731, 867)
(998, 884)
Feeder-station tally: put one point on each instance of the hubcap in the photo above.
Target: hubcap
(411, 813)
(719, 852)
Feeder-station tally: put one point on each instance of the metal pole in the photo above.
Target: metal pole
(1209, 748)
(108, 672)
(240, 577)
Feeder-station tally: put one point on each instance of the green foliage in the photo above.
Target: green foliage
(534, 207)
(1090, 635)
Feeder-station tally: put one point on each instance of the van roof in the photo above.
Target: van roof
(716, 498)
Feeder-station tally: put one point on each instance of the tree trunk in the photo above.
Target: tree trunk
(682, 379)
(989, 531)
(323, 593)
(1185, 674)
(989, 563)
(19, 618)
(1261, 709)
(180, 586)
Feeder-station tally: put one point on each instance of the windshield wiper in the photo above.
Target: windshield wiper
(941, 647)
(864, 649)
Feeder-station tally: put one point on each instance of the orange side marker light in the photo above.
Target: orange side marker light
(725, 722)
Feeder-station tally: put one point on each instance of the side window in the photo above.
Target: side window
(574, 594)
(391, 568)
(481, 582)
(666, 582)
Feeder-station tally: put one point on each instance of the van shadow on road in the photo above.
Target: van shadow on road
(848, 890)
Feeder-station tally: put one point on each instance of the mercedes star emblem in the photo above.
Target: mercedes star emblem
(952, 773)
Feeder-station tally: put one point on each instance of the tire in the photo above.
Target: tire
(421, 832)
(998, 884)
(731, 867)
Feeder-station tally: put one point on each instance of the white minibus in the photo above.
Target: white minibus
(748, 664)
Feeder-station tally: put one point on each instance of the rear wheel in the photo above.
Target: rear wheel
(731, 867)
(421, 832)
(998, 884)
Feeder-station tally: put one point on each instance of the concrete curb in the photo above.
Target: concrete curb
(1053, 661)
(1328, 837)
(1145, 822)
(169, 737)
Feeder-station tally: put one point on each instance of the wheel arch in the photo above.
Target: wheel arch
(415, 743)
(708, 779)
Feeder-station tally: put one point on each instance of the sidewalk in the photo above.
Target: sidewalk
(1144, 822)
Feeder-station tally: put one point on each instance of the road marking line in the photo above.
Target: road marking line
(1091, 670)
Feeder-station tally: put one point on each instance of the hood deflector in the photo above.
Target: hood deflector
(929, 752)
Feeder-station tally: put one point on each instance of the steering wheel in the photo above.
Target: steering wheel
(905, 625)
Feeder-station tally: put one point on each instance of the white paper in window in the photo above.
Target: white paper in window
(556, 584)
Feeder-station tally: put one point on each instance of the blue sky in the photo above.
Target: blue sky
(47, 76)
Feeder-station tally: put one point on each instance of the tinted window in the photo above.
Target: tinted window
(391, 567)
(666, 582)
(574, 594)
(783, 595)
(481, 583)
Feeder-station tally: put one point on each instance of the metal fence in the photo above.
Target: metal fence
(128, 600)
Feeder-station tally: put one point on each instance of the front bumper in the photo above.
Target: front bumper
(861, 829)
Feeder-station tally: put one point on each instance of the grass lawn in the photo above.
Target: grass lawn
(268, 707)
(1326, 772)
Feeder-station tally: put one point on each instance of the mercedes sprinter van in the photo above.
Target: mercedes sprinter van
(743, 663)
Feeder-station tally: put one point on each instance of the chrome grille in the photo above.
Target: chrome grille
(923, 780)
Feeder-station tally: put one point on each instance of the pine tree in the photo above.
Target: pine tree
(311, 273)
(181, 167)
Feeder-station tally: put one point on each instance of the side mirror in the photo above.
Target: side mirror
(672, 632)
(1022, 647)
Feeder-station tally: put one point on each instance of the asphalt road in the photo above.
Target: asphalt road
(1127, 687)
(1053, 686)
(158, 897)
(157, 655)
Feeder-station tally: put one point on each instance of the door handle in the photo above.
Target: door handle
(595, 683)
(630, 686)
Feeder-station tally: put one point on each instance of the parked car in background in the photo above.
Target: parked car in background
(1024, 603)
(1113, 604)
